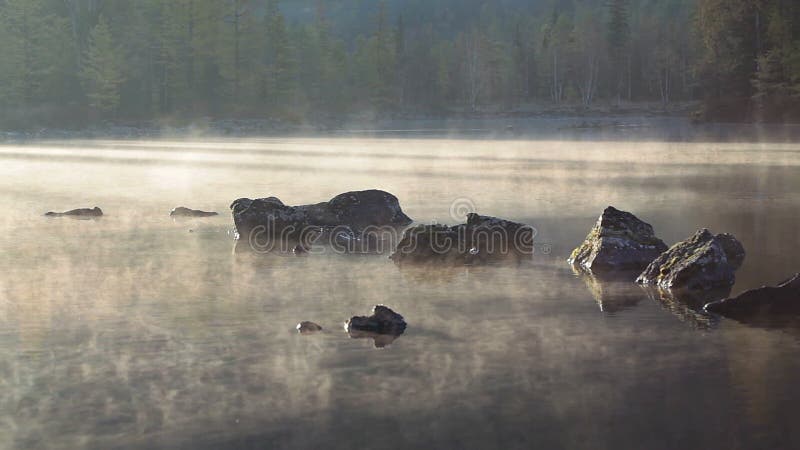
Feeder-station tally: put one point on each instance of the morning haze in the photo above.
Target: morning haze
(133, 317)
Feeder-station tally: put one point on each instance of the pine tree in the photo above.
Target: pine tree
(102, 70)
(618, 41)
(36, 52)
(278, 79)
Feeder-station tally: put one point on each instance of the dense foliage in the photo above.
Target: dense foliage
(77, 60)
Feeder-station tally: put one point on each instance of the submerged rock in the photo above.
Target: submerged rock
(619, 241)
(781, 299)
(349, 218)
(182, 211)
(82, 212)
(702, 262)
(482, 239)
(307, 327)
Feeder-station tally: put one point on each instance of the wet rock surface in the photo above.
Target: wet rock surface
(483, 239)
(362, 217)
(182, 211)
(767, 300)
(81, 212)
(307, 327)
(702, 262)
(619, 241)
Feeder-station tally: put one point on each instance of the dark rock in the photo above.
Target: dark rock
(306, 327)
(702, 262)
(483, 239)
(181, 211)
(766, 300)
(349, 218)
(82, 212)
(619, 241)
(382, 321)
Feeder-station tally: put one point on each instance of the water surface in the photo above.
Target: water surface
(137, 331)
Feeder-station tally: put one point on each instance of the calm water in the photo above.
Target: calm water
(137, 331)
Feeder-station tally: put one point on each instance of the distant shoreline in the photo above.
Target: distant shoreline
(526, 120)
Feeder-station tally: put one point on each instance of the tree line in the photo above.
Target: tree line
(79, 61)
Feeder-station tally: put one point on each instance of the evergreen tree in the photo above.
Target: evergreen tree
(102, 70)
(618, 41)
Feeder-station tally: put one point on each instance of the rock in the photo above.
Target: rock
(702, 262)
(82, 212)
(619, 241)
(483, 239)
(382, 321)
(181, 211)
(347, 219)
(766, 300)
(307, 327)
(384, 326)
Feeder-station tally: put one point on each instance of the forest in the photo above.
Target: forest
(77, 62)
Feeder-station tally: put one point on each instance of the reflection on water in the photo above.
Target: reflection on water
(132, 332)
(688, 305)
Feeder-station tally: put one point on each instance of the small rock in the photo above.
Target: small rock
(182, 211)
(82, 212)
(781, 299)
(307, 327)
(619, 241)
(702, 262)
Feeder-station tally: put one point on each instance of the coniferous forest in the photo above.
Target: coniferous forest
(87, 61)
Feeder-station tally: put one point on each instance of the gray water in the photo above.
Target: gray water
(137, 331)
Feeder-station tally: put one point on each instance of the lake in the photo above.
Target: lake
(139, 331)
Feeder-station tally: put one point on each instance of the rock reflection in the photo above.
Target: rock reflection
(613, 293)
(381, 340)
(688, 305)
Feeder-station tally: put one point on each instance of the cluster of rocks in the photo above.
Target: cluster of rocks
(383, 326)
(689, 271)
(621, 242)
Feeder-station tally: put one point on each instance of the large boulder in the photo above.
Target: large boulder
(702, 262)
(352, 217)
(483, 239)
(619, 241)
(781, 299)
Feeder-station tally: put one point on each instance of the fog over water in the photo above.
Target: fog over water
(135, 330)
